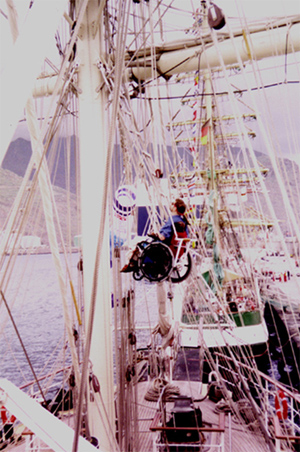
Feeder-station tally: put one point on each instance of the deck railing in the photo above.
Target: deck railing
(156, 426)
(286, 430)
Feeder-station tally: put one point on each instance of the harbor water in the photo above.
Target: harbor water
(38, 316)
(40, 324)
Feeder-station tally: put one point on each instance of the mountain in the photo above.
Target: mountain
(19, 153)
(11, 177)
(290, 175)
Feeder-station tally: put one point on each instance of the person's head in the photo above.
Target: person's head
(180, 206)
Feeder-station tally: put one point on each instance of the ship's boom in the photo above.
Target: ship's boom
(190, 55)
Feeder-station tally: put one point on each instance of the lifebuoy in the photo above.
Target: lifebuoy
(281, 405)
(4, 416)
(251, 304)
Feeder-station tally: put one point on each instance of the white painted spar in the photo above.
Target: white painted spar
(263, 44)
(41, 422)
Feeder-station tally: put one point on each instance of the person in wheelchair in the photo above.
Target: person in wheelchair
(178, 221)
(166, 234)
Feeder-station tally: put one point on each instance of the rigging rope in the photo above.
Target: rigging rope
(46, 189)
(23, 346)
(158, 386)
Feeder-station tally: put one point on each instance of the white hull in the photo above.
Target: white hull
(213, 337)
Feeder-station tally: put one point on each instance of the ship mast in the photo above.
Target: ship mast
(98, 356)
(208, 93)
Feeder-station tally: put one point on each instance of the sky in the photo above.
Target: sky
(251, 9)
(260, 8)
(285, 115)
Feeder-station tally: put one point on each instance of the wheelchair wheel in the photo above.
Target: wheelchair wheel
(156, 262)
(137, 275)
(182, 269)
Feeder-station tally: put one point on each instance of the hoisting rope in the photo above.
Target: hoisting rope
(157, 386)
(13, 22)
(44, 180)
(46, 190)
(164, 320)
(96, 392)
(23, 346)
(271, 154)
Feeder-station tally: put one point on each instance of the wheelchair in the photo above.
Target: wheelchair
(156, 262)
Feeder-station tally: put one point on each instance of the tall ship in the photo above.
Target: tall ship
(141, 117)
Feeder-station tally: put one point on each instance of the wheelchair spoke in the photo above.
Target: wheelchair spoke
(181, 271)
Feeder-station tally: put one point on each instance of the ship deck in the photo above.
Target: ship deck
(140, 438)
(241, 438)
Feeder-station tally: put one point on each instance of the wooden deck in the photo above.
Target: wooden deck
(217, 427)
(241, 438)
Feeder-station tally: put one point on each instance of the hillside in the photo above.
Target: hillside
(9, 186)
(19, 153)
(13, 169)
(291, 177)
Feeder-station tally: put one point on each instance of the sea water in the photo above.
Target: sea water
(37, 313)
(38, 316)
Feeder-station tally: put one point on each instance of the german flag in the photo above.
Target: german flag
(204, 132)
